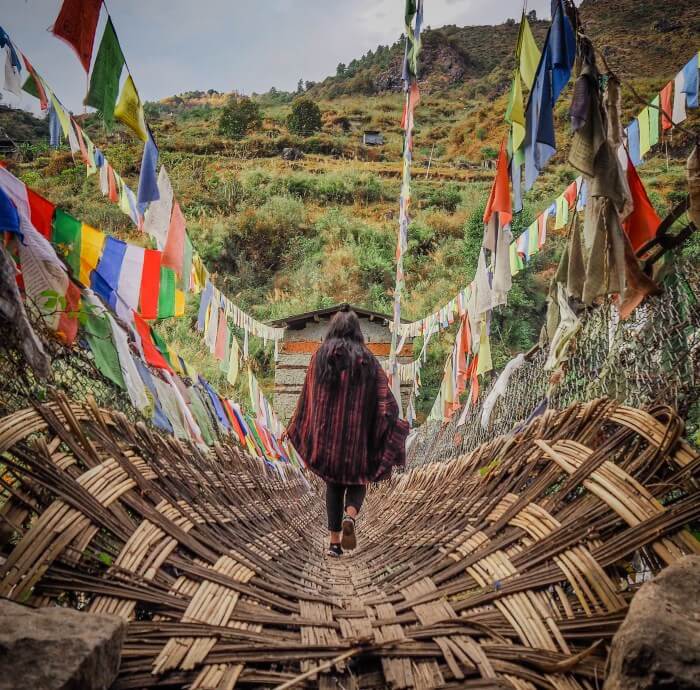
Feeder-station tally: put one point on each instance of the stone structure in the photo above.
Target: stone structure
(77, 651)
(658, 644)
(303, 336)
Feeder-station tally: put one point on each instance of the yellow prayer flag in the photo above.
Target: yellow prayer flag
(179, 303)
(91, 244)
(644, 127)
(232, 374)
(562, 217)
(175, 360)
(62, 115)
(484, 364)
(516, 115)
(199, 273)
(529, 53)
(91, 164)
(130, 111)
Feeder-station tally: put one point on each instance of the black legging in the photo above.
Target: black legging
(338, 498)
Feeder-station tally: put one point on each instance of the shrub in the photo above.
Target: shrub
(444, 196)
(239, 116)
(305, 118)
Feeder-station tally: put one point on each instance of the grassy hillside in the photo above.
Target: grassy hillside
(284, 237)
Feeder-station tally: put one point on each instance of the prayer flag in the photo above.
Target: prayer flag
(204, 300)
(179, 303)
(173, 252)
(9, 217)
(150, 284)
(690, 79)
(91, 243)
(112, 191)
(157, 216)
(13, 78)
(667, 106)
(533, 238)
(129, 109)
(644, 125)
(166, 296)
(104, 82)
(484, 363)
(654, 122)
(150, 352)
(76, 25)
(148, 182)
(499, 199)
(34, 86)
(41, 212)
(515, 114)
(643, 222)
(633, 145)
(528, 52)
(5, 42)
(679, 113)
(98, 333)
(105, 278)
(516, 263)
(66, 237)
(130, 276)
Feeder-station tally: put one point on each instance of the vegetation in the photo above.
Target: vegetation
(240, 117)
(305, 118)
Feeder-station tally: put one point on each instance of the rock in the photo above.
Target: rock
(58, 648)
(292, 154)
(658, 644)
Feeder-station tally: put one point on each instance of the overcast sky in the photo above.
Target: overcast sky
(173, 46)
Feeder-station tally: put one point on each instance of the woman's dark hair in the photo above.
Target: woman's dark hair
(342, 349)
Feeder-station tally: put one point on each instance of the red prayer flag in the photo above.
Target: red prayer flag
(221, 336)
(67, 327)
(150, 284)
(666, 106)
(570, 194)
(76, 25)
(41, 212)
(43, 100)
(641, 225)
(81, 142)
(499, 199)
(112, 192)
(151, 353)
(174, 250)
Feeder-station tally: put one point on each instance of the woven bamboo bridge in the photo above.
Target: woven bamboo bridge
(508, 567)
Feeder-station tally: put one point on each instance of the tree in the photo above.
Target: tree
(340, 70)
(532, 16)
(239, 116)
(305, 118)
(300, 86)
(308, 85)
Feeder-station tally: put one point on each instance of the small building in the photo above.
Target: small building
(373, 138)
(303, 336)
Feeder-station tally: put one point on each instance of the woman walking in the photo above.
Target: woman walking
(346, 425)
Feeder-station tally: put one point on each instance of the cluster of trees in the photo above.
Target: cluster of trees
(243, 116)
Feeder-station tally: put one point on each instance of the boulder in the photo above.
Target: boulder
(58, 648)
(292, 154)
(658, 644)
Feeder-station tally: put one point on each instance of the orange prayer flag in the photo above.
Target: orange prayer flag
(641, 225)
(174, 250)
(499, 199)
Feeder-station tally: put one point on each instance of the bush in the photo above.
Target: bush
(305, 118)
(444, 196)
(239, 116)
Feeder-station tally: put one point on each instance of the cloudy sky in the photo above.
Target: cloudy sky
(173, 46)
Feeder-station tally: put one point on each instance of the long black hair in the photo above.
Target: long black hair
(342, 349)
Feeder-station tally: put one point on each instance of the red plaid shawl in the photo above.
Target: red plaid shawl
(349, 433)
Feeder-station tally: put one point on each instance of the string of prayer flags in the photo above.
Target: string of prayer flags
(129, 109)
(104, 81)
(76, 25)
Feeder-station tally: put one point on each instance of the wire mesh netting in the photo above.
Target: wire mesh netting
(652, 356)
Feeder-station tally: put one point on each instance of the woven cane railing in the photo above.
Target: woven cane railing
(507, 567)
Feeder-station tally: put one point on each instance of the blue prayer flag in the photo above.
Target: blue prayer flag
(148, 180)
(690, 74)
(633, 142)
(9, 217)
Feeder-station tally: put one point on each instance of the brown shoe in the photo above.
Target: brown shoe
(348, 541)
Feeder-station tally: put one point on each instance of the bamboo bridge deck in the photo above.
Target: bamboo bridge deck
(509, 567)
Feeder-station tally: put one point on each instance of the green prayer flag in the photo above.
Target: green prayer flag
(184, 284)
(528, 52)
(533, 239)
(65, 236)
(166, 296)
(201, 416)
(162, 347)
(98, 333)
(104, 81)
(654, 116)
(515, 114)
(516, 262)
(30, 87)
(644, 144)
